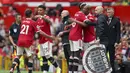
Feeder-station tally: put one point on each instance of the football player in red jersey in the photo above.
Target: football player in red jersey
(45, 44)
(75, 38)
(89, 32)
(89, 36)
(25, 40)
(88, 28)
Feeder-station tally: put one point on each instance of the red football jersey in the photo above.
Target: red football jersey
(89, 33)
(76, 30)
(27, 32)
(45, 27)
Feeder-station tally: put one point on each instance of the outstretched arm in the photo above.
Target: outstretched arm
(46, 35)
(46, 19)
(90, 23)
(78, 22)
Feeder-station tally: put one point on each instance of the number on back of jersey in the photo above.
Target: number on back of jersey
(24, 29)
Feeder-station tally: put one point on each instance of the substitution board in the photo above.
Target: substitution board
(95, 60)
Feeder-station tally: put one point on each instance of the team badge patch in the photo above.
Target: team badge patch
(15, 30)
(95, 60)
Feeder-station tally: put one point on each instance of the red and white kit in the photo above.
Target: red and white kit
(89, 33)
(45, 43)
(75, 35)
(26, 37)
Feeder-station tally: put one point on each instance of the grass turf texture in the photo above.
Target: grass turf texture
(7, 71)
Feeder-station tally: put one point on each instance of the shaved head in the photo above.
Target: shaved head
(99, 10)
(99, 7)
(64, 13)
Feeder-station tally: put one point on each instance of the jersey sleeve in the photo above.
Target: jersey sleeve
(47, 17)
(11, 30)
(91, 18)
(81, 17)
(35, 26)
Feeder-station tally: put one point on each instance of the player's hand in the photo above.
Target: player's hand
(115, 45)
(37, 16)
(60, 34)
(57, 40)
(66, 27)
(97, 42)
(72, 20)
(14, 45)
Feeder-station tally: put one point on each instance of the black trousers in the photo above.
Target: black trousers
(67, 52)
(127, 66)
(111, 50)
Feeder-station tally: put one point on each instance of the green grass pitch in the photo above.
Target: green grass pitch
(7, 71)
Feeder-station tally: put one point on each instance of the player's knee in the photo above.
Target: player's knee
(44, 59)
(30, 60)
(76, 60)
(19, 56)
(51, 59)
(29, 56)
(17, 60)
(71, 59)
(30, 66)
(77, 54)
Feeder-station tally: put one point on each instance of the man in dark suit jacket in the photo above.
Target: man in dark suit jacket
(64, 34)
(114, 27)
(114, 34)
(102, 26)
(108, 32)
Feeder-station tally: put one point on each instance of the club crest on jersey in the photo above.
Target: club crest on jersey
(86, 17)
(76, 15)
(73, 24)
(95, 60)
(39, 26)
